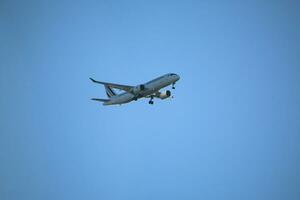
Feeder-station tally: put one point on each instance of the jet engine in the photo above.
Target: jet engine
(138, 89)
(164, 95)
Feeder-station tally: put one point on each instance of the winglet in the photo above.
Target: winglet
(93, 80)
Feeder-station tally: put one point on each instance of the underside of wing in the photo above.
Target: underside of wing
(154, 94)
(161, 95)
(126, 88)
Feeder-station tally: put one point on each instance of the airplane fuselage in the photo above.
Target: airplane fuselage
(149, 88)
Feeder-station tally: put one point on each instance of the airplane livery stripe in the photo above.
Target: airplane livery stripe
(108, 94)
(111, 91)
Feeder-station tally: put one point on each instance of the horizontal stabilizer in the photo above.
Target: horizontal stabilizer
(101, 100)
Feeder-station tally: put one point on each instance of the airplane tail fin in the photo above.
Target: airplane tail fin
(109, 91)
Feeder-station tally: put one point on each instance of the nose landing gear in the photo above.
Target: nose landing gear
(173, 85)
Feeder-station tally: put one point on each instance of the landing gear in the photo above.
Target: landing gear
(151, 102)
(173, 85)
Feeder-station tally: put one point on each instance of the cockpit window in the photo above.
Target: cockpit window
(171, 74)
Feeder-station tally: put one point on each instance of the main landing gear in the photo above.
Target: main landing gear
(151, 102)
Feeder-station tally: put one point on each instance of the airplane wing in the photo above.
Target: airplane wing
(126, 88)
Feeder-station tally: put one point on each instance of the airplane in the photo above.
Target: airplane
(146, 90)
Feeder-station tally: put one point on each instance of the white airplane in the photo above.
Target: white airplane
(147, 90)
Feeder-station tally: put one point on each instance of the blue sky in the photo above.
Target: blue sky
(231, 132)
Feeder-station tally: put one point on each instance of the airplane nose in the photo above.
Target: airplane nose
(177, 77)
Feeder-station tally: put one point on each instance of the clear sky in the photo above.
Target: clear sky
(231, 132)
